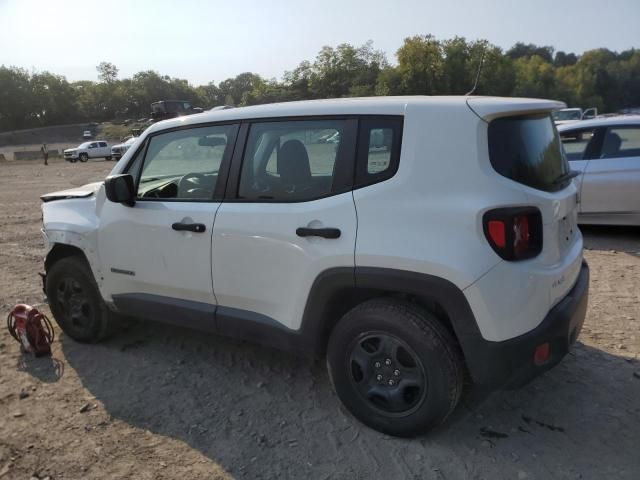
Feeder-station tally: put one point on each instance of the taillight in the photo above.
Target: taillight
(514, 233)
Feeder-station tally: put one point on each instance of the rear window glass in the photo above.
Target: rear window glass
(527, 149)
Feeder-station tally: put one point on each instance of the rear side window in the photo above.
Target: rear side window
(621, 142)
(379, 143)
(527, 149)
(576, 143)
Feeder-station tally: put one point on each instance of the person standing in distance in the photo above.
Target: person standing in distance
(45, 153)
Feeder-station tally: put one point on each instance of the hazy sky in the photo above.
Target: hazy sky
(213, 40)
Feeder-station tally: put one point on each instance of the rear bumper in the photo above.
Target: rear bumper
(510, 363)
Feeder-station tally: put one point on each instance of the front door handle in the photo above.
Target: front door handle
(318, 232)
(189, 227)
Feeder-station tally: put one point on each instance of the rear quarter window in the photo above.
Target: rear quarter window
(527, 150)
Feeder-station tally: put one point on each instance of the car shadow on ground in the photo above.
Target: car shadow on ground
(618, 238)
(262, 414)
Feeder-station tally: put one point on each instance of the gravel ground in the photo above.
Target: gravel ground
(161, 402)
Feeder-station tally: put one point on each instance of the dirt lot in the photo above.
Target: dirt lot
(159, 402)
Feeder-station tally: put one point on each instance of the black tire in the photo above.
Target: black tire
(426, 367)
(83, 157)
(108, 159)
(76, 303)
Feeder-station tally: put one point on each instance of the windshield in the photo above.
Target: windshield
(527, 149)
(561, 115)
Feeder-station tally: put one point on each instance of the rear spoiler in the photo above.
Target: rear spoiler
(488, 108)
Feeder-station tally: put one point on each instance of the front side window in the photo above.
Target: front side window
(184, 164)
(527, 150)
(576, 143)
(291, 160)
(621, 142)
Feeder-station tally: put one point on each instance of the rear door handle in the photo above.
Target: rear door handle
(318, 232)
(189, 227)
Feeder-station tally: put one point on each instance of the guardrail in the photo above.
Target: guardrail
(34, 155)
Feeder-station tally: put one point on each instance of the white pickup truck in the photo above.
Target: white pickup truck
(87, 150)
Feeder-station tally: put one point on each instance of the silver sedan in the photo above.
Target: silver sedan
(606, 153)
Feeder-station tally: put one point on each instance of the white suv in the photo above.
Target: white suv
(435, 240)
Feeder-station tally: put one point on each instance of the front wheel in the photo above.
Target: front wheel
(395, 367)
(76, 303)
(108, 159)
(83, 157)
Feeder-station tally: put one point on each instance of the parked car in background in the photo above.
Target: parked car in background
(165, 109)
(606, 154)
(117, 151)
(87, 150)
(570, 115)
(435, 243)
(87, 134)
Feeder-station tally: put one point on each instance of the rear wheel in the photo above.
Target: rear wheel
(76, 303)
(395, 367)
(83, 157)
(108, 159)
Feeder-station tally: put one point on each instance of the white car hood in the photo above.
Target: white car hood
(78, 192)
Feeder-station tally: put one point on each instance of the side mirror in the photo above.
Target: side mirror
(121, 189)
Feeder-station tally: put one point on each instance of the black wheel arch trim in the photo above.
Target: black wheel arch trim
(334, 292)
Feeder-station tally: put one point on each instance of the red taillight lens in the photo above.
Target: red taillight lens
(497, 233)
(514, 233)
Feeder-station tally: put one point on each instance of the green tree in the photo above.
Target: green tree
(107, 72)
(421, 66)
(15, 98)
(520, 50)
(534, 77)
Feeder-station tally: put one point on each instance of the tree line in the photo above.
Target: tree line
(424, 66)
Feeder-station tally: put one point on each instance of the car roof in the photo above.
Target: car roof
(483, 106)
(601, 122)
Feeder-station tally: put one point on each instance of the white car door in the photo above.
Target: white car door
(156, 256)
(104, 150)
(578, 145)
(612, 179)
(92, 150)
(288, 216)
